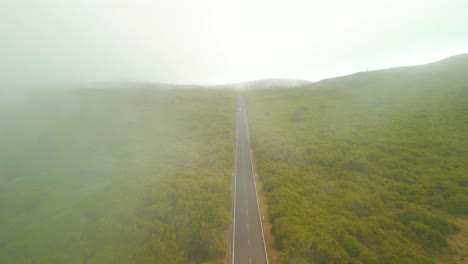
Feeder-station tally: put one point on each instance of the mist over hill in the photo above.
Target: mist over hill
(368, 167)
(376, 160)
(272, 83)
(451, 67)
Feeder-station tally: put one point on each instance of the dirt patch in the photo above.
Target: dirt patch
(459, 241)
(228, 242)
(228, 232)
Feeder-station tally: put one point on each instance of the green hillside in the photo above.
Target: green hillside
(367, 168)
(136, 175)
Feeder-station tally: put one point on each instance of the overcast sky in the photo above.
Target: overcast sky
(217, 41)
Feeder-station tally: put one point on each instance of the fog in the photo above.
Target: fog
(145, 175)
(212, 41)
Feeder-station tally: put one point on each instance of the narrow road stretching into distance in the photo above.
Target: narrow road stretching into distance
(248, 242)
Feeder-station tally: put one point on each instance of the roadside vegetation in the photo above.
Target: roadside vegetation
(366, 168)
(135, 175)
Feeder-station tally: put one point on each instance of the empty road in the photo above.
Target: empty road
(248, 242)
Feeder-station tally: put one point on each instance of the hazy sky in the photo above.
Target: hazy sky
(216, 41)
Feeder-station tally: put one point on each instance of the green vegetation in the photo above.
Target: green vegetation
(366, 168)
(134, 175)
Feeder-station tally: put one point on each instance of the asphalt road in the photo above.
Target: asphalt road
(248, 240)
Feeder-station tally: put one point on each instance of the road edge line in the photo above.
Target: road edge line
(253, 178)
(235, 183)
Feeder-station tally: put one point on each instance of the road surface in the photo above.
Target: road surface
(248, 244)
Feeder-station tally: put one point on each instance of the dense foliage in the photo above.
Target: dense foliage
(367, 168)
(134, 175)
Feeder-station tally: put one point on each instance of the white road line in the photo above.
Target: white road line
(255, 186)
(249, 242)
(235, 187)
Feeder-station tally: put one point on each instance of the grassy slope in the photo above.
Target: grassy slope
(366, 168)
(116, 176)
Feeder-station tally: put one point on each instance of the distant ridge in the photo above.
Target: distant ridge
(267, 84)
(456, 65)
(255, 84)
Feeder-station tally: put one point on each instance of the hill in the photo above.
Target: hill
(367, 168)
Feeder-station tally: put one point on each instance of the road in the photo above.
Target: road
(248, 243)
